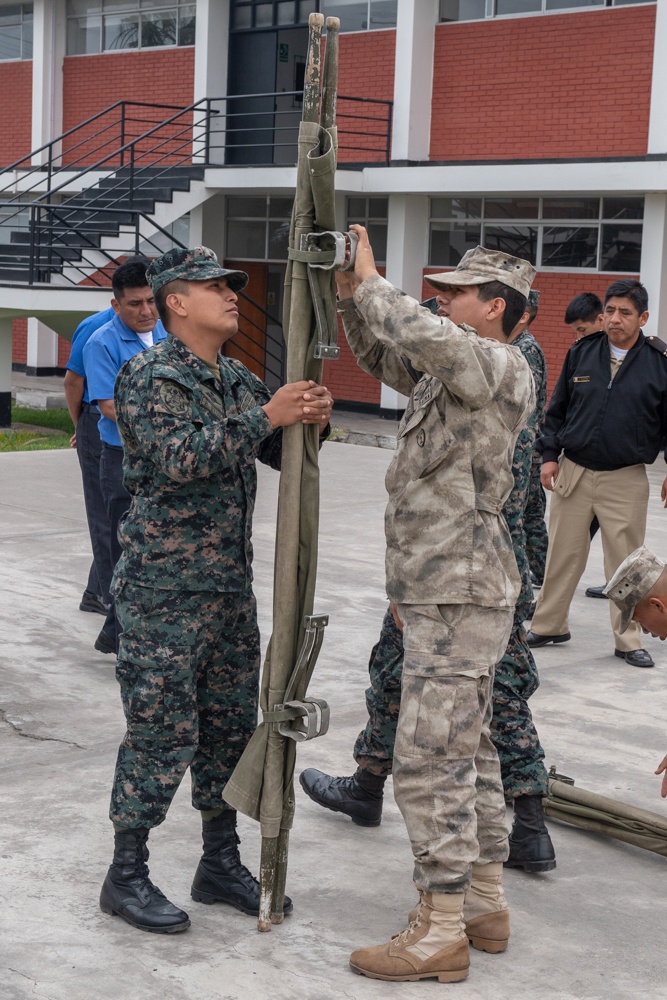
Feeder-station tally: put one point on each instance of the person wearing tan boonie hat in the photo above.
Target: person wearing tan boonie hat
(638, 588)
(481, 266)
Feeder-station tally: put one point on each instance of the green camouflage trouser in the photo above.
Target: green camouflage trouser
(512, 730)
(537, 539)
(188, 669)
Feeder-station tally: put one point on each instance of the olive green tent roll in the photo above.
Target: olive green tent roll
(605, 816)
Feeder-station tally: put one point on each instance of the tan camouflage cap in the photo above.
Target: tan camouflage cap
(632, 581)
(196, 264)
(479, 266)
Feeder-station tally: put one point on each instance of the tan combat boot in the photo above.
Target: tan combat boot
(433, 945)
(486, 915)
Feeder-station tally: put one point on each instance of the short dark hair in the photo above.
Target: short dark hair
(131, 274)
(628, 288)
(515, 302)
(583, 308)
(177, 285)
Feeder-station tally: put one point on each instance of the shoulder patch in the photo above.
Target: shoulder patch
(174, 398)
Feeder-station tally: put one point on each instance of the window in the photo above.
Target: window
(371, 213)
(111, 25)
(258, 228)
(475, 10)
(355, 15)
(570, 232)
(16, 31)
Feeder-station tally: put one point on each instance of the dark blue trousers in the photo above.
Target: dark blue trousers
(89, 449)
(117, 502)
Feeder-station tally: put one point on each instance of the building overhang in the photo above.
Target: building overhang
(61, 309)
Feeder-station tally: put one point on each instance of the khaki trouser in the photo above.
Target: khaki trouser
(620, 501)
(446, 772)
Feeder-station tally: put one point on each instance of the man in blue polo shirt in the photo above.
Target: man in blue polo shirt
(134, 327)
(86, 439)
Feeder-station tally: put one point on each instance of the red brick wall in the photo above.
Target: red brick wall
(15, 110)
(366, 69)
(92, 83)
(64, 347)
(557, 86)
(20, 341)
(345, 379)
(556, 290)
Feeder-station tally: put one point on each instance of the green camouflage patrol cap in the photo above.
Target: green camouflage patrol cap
(196, 264)
(480, 266)
(632, 581)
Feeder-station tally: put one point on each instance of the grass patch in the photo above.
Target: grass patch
(32, 440)
(56, 419)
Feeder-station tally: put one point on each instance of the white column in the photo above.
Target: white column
(407, 249)
(49, 33)
(413, 79)
(654, 262)
(42, 348)
(5, 372)
(657, 128)
(211, 63)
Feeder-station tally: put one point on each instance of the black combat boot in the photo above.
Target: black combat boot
(129, 893)
(530, 843)
(359, 796)
(220, 876)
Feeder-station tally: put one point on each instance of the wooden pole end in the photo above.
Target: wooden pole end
(316, 20)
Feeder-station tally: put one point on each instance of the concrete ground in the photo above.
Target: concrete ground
(592, 929)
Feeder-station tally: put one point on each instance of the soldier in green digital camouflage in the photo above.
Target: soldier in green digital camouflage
(535, 527)
(192, 423)
(515, 679)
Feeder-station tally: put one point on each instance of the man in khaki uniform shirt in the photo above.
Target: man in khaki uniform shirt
(453, 580)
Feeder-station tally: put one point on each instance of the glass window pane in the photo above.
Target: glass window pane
(10, 14)
(27, 40)
(278, 240)
(450, 240)
(621, 248)
(254, 208)
(353, 16)
(377, 234)
(263, 15)
(383, 14)
(187, 21)
(622, 208)
(148, 4)
(10, 41)
(242, 17)
(356, 210)
(27, 11)
(121, 32)
(306, 7)
(280, 208)
(571, 208)
(456, 208)
(559, 4)
(520, 241)
(511, 208)
(517, 6)
(109, 6)
(83, 35)
(285, 12)
(246, 240)
(570, 246)
(378, 208)
(157, 29)
(82, 8)
(462, 10)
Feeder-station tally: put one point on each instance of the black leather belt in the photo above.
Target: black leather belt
(89, 408)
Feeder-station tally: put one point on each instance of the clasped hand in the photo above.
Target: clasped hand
(303, 402)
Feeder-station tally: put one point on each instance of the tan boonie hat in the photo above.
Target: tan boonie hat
(196, 264)
(632, 581)
(479, 266)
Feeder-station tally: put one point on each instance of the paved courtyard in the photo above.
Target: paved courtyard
(592, 929)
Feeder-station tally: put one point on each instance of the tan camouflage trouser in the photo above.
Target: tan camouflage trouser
(446, 772)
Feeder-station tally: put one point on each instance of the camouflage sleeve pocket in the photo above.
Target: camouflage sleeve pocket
(159, 690)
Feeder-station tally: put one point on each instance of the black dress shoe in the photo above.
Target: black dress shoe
(534, 640)
(636, 657)
(106, 643)
(91, 602)
(597, 592)
(359, 796)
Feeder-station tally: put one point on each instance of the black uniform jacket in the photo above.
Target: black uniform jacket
(603, 424)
